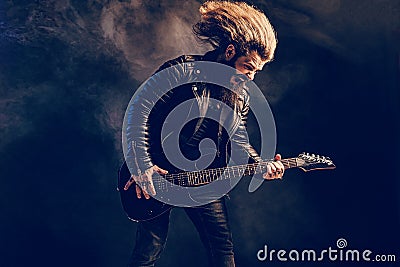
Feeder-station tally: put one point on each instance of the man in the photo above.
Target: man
(243, 39)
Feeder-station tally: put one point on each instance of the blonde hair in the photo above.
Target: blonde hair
(247, 28)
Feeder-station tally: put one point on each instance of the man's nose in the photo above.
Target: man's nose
(251, 75)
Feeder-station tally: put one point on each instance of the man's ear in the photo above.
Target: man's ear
(230, 52)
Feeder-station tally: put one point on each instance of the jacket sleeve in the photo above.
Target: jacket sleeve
(242, 151)
(136, 125)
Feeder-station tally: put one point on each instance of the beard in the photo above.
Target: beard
(237, 83)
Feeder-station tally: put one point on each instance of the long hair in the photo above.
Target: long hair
(248, 29)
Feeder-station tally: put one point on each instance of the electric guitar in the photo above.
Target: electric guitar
(141, 209)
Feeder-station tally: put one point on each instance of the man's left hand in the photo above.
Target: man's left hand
(275, 169)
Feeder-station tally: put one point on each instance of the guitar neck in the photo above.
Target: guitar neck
(195, 178)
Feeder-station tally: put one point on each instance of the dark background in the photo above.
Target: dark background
(69, 68)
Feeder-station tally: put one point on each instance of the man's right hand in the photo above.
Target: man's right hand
(145, 181)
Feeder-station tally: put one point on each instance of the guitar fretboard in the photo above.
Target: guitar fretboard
(202, 177)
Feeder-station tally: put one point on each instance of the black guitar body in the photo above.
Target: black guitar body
(137, 209)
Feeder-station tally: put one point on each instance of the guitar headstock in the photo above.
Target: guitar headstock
(310, 162)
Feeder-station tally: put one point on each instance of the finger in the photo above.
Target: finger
(144, 191)
(268, 176)
(272, 167)
(269, 171)
(138, 192)
(151, 188)
(143, 186)
(282, 168)
(278, 167)
(278, 157)
(278, 174)
(159, 170)
(281, 165)
(129, 183)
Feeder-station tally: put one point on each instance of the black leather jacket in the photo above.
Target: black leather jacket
(150, 108)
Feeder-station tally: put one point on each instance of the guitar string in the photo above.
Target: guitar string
(201, 176)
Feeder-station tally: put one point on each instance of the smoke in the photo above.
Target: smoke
(138, 36)
(56, 39)
(149, 33)
(145, 34)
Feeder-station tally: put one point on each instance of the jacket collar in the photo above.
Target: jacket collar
(211, 55)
